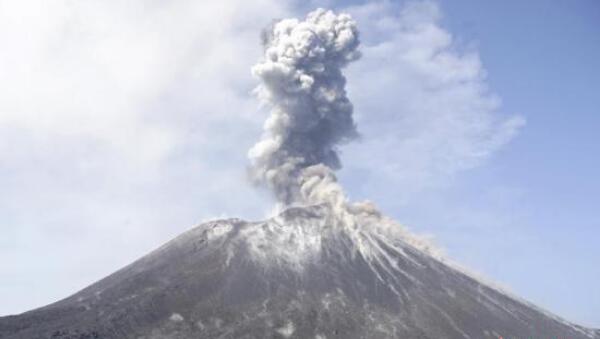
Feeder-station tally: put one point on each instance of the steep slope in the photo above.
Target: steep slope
(294, 276)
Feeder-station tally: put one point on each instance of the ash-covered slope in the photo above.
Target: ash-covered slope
(299, 275)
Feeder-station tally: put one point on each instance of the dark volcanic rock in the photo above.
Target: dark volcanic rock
(290, 277)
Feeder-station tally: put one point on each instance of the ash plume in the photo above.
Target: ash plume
(311, 116)
(301, 79)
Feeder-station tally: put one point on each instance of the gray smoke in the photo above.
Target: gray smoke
(311, 116)
(301, 79)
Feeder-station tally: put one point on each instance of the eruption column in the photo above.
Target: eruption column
(301, 79)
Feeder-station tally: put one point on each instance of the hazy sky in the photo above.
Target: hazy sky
(122, 124)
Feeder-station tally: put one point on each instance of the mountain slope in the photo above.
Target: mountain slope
(294, 276)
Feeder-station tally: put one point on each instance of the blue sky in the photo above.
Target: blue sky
(542, 58)
(119, 131)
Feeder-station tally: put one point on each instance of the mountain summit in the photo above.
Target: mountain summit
(301, 274)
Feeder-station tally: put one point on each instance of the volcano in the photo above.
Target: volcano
(300, 274)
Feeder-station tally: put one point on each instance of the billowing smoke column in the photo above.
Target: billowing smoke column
(311, 116)
(301, 79)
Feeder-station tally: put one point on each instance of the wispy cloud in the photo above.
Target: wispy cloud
(424, 109)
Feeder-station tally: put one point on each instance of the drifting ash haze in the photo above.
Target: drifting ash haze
(323, 268)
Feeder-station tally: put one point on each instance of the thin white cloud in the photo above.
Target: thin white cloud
(423, 106)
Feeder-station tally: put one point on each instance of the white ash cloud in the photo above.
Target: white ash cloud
(119, 108)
